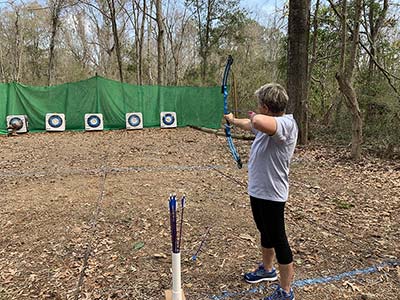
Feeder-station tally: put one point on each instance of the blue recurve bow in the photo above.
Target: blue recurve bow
(228, 135)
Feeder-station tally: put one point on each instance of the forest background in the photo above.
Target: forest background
(174, 42)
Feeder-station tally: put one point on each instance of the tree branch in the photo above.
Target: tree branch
(382, 69)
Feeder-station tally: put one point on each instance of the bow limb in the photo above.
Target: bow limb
(228, 135)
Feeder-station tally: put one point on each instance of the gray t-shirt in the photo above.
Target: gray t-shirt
(269, 161)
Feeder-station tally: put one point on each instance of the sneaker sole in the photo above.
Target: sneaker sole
(262, 279)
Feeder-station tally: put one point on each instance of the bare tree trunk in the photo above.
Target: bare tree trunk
(3, 73)
(160, 43)
(204, 34)
(111, 6)
(18, 51)
(141, 43)
(149, 30)
(139, 36)
(135, 24)
(347, 89)
(345, 75)
(374, 27)
(333, 107)
(314, 45)
(297, 85)
(205, 41)
(55, 6)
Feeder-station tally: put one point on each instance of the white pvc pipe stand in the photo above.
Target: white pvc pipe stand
(176, 276)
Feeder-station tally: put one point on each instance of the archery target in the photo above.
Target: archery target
(55, 122)
(17, 123)
(93, 122)
(134, 120)
(168, 119)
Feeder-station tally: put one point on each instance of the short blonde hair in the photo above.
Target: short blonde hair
(273, 96)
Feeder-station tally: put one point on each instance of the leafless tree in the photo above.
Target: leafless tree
(117, 45)
(160, 43)
(55, 7)
(375, 24)
(138, 20)
(16, 41)
(344, 76)
(177, 23)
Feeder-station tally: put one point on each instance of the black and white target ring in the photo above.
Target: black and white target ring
(93, 121)
(168, 119)
(134, 120)
(16, 123)
(55, 121)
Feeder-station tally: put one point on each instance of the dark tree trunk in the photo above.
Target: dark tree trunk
(111, 5)
(160, 43)
(141, 44)
(16, 68)
(297, 81)
(55, 21)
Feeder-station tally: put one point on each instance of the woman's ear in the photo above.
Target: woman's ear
(264, 109)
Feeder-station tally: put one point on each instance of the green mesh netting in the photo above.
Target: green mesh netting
(194, 106)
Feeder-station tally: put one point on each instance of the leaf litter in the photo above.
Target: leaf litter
(341, 216)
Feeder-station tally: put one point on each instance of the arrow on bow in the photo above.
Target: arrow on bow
(228, 135)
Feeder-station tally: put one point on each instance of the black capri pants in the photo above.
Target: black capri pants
(269, 218)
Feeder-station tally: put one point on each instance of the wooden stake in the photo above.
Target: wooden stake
(168, 295)
(235, 95)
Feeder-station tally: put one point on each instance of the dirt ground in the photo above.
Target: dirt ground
(84, 215)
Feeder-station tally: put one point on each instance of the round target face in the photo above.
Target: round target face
(134, 120)
(93, 121)
(16, 123)
(168, 119)
(55, 121)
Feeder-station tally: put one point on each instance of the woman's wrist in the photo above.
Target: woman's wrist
(251, 115)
